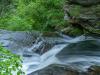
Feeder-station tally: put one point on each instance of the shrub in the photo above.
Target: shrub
(9, 63)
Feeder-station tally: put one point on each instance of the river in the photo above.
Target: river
(77, 53)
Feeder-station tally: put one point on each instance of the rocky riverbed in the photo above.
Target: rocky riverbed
(64, 55)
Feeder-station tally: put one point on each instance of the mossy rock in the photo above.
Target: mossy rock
(92, 12)
(72, 31)
(87, 16)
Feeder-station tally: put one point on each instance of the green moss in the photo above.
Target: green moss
(76, 32)
(75, 10)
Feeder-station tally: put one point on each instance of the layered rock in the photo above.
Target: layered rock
(83, 14)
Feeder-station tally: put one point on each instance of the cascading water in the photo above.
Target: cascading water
(71, 59)
(76, 52)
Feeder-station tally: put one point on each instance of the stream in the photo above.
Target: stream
(40, 53)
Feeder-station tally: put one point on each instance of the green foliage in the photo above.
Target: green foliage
(33, 14)
(76, 32)
(75, 10)
(9, 63)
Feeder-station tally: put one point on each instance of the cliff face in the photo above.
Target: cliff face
(85, 14)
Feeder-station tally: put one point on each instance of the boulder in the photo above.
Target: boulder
(55, 69)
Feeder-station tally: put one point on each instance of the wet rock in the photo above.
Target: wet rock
(56, 70)
(75, 59)
(81, 55)
(88, 47)
(94, 70)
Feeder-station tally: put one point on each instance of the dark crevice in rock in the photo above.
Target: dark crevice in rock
(85, 3)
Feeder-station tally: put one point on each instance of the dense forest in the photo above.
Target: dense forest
(30, 14)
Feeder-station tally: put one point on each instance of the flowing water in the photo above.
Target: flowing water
(78, 53)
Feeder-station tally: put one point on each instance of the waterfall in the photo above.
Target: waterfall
(76, 52)
(50, 56)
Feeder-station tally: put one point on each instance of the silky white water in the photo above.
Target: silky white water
(78, 59)
(79, 62)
